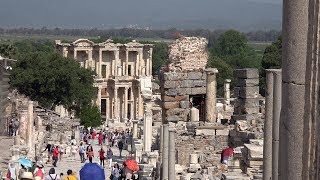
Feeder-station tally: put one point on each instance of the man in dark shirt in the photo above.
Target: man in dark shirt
(120, 146)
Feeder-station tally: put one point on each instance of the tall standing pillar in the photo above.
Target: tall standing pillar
(140, 104)
(165, 152)
(98, 102)
(172, 155)
(30, 124)
(99, 68)
(277, 79)
(126, 103)
(126, 64)
(135, 128)
(296, 123)
(227, 91)
(267, 140)
(147, 126)
(108, 108)
(211, 94)
(23, 125)
(116, 104)
(132, 104)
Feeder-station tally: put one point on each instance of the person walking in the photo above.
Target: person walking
(90, 154)
(109, 156)
(52, 175)
(49, 148)
(120, 146)
(12, 173)
(55, 156)
(115, 172)
(74, 150)
(39, 171)
(102, 157)
(82, 150)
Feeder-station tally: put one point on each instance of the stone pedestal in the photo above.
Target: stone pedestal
(193, 158)
(211, 92)
(194, 114)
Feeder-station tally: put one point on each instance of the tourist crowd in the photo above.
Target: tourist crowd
(86, 152)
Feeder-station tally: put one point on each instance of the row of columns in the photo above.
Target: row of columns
(136, 104)
(271, 124)
(118, 68)
(168, 152)
(26, 129)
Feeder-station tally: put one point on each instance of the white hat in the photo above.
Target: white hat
(27, 175)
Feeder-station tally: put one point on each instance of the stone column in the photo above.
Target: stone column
(211, 94)
(126, 103)
(267, 140)
(172, 155)
(227, 91)
(30, 134)
(296, 141)
(165, 152)
(75, 53)
(65, 52)
(98, 102)
(116, 104)
(275, 124)
(140, 104)
(23, 125)
(132, 104)
(150, 62)
(99, 68)
(161, 141)
(194, 114)
(135, 128)
(147, 127)
(126, 64)
(89, 60)
(107, 108)
(116, 62)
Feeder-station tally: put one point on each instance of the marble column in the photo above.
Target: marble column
(150, 62)
(140, 104)
(108, 108)
(23, 125)
(267, 140)
(172, 155)
(116, 104)
(132, 104)
(30, 133)
(135, 128)
(99, 68)
(211, 90)
(165, 152)
(161, 141)
(227, 91)
(116, 62)
(98, 102)
(126, 103)
(126, 64)
(147, 126)
(300, 68)
(89, 64)
(65, 52)
(75, 53)
(275, 124)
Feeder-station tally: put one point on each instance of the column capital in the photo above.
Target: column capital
(211, 70)
(227, 80)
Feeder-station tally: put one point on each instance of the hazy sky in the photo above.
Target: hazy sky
(154, 13)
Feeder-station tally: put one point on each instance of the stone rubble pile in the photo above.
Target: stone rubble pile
(188, 53)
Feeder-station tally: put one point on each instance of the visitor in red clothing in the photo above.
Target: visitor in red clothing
(226, 154)
(102, 156)
(55, 156)
(100, 138)
(93, 135)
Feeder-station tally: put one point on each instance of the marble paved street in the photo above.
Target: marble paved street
(67, 162)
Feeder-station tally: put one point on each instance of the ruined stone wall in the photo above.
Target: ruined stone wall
(176, 88)
(188, 53)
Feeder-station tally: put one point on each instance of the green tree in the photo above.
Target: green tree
(272, 59)
(90, 116)
(53, 80)
(159, 56)
(225, 72)
(232, 47)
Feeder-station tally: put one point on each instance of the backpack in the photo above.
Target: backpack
(39, 173)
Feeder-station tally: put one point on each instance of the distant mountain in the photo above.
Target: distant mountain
(213, 14)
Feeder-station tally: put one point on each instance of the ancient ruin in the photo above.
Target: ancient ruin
(123, 71)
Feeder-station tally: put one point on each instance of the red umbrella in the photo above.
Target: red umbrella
(132, 165)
